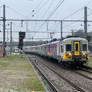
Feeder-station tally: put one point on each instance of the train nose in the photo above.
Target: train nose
(77, 58)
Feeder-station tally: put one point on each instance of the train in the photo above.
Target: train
(73, 50)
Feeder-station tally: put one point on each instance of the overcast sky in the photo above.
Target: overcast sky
(42, 8)
(45, 9)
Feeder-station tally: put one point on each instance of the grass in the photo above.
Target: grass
(4, 62)
(89, 63)
(17, 73)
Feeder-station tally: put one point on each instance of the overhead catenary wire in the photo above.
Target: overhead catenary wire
(39, 4)
(60, 3)
(50, 5)
(79, 19)
(17, 12)
(40, 7)
(38, 20)
(50, 15)
(14, 10)
(33, 31)
(75, 20)
(77, 11)
(68, 25)
(73, 13)
(48, 8)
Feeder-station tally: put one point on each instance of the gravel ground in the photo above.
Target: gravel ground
(17, 75)
(63, 86)
(85, 73)
(57, 81)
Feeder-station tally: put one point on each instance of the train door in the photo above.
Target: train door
(76, 48)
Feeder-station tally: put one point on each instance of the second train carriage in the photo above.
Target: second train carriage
(72, 50)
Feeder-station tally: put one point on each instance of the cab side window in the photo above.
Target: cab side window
(68, 47)
(84, 47)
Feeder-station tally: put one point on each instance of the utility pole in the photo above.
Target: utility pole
(85, 21)
(61, 31)
(10, 37)
(4, 30)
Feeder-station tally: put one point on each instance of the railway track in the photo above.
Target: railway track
(72, 84)
(86, 73)
(52, 86)
(87, 70)
(78, 88)
(84, 69)
(65, 79)
(79, 73)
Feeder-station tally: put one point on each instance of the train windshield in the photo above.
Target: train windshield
(76, 47)
(84, 47)
(68, 47)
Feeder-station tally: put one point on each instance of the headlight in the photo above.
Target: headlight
(84, 54)
(69, 54)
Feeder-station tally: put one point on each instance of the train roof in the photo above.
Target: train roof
(55, 42)
(75, 39)
(65, 40)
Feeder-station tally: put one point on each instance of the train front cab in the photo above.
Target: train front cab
(75, 52)
(80, 52)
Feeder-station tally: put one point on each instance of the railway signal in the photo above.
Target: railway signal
(21, 37)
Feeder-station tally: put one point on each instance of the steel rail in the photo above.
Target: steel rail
(53, 88)
(83, 75)
(65, 79)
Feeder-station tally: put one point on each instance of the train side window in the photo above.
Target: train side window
(68, 47)
(84, 47)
